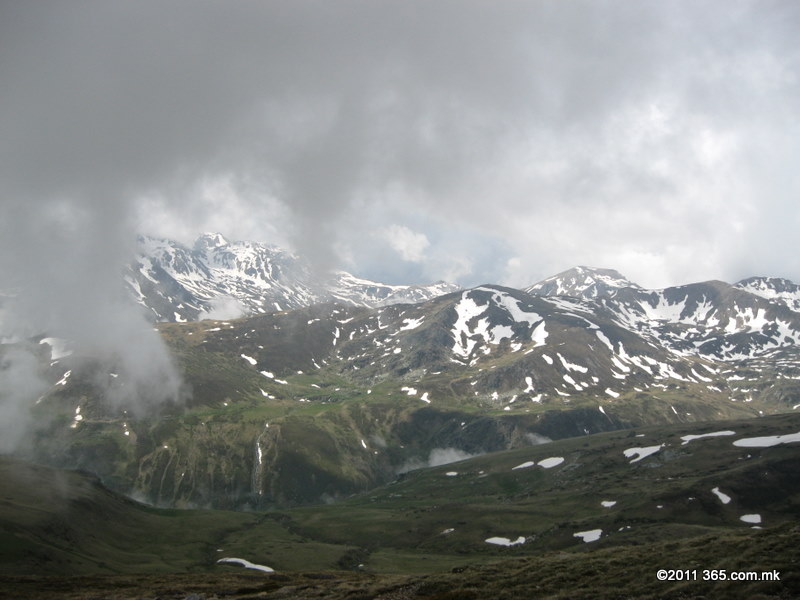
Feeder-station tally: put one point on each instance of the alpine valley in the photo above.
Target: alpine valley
(419, 430)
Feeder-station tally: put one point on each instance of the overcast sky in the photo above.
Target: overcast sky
(406, 141)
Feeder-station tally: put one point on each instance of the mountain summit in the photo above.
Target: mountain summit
(582, 282)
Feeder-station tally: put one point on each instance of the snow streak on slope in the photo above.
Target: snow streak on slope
(581, 346)
(631, 340)
(711, 319)
(467, 310)
(502, 316)
(773, 288)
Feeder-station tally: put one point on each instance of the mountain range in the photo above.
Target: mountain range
(312, 403)
(219, 278)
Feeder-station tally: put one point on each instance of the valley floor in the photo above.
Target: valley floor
(618, 573)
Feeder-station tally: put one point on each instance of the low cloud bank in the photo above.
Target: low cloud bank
(436, 458)
(223, 308)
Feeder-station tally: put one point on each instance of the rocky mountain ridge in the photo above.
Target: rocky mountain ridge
(581, 282)
(217, 278)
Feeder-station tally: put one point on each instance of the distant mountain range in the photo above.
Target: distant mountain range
(590, 283)
(223, 279)
(712, 318)
(220, 278)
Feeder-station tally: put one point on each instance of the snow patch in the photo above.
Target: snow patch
(246, 564)
(409, 324)
(688, 438)
(502, 541)
(524, 465)
(724, 498)
(589, 536)
(752, 518)
(539, 335)
(571, 366)
(529, 382)
(602, 337)
(466, 310)
(641, 453)
(767, 441)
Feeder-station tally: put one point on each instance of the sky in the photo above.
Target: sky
(407, 141)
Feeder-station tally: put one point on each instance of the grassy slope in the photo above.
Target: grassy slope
(400, 527)
(66, 523)
(55, 521)
(628, 572)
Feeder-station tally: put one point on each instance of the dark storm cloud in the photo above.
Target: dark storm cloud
(103, 101)
(640, 135)
(324, 98)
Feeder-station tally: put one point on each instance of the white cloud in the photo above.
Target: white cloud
(240, 207)
(409, 244)
(223, 308)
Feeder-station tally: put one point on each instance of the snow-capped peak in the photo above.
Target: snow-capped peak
(177, 283)
(210, 240)
(582, 282)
